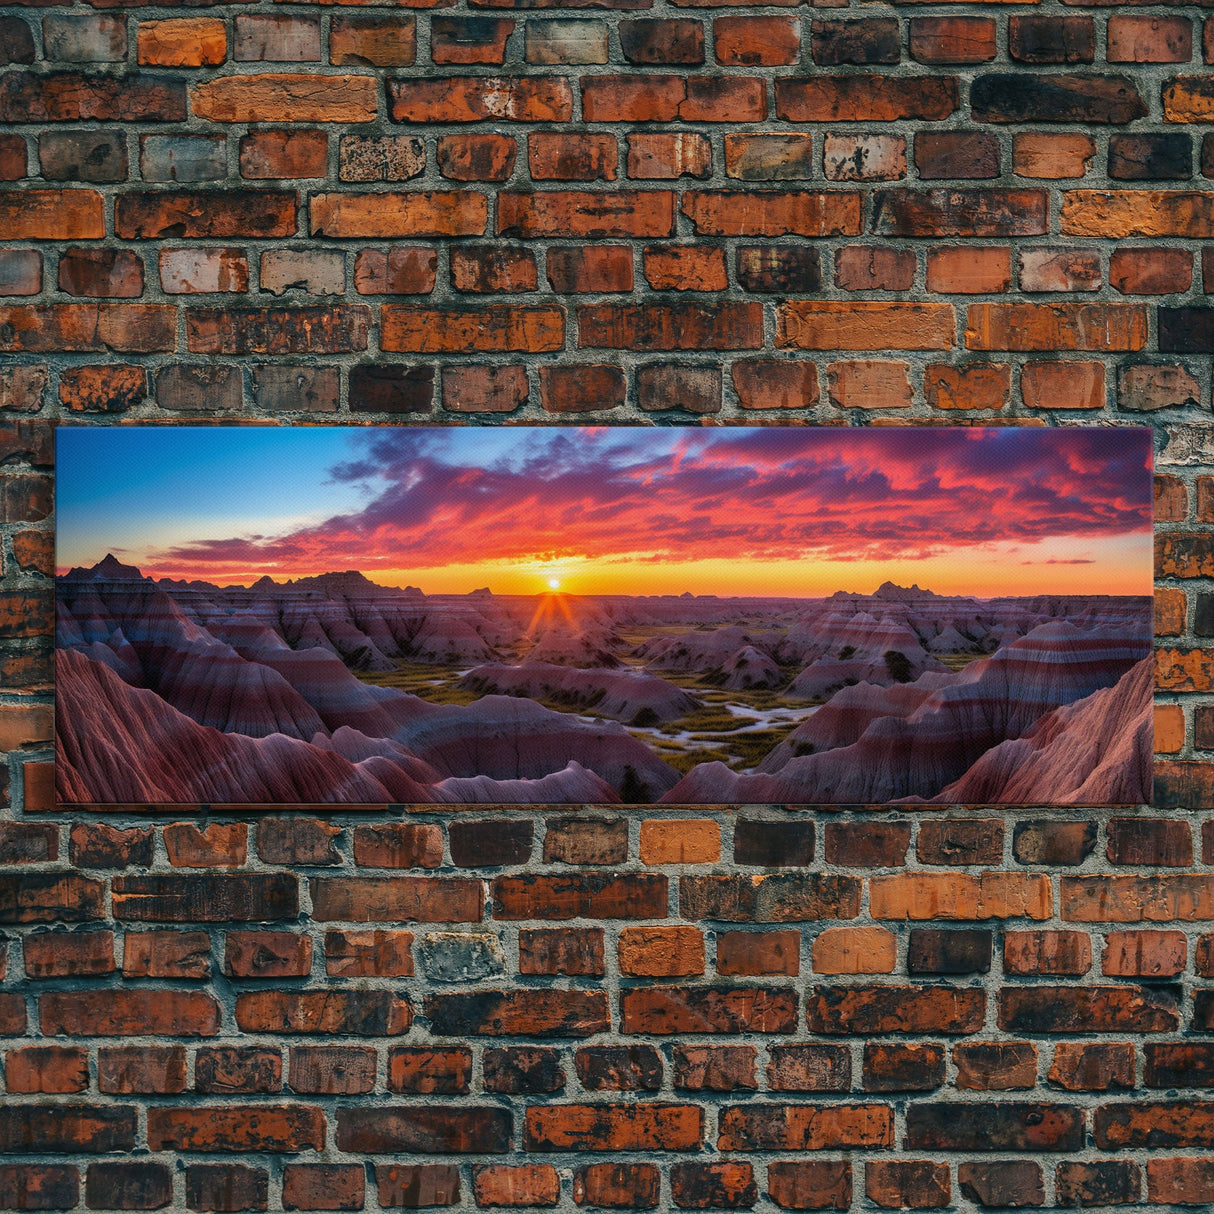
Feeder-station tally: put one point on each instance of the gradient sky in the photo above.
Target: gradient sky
(618, 510)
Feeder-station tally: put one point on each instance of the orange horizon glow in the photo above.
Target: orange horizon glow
(745, 512)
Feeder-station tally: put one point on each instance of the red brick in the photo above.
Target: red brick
(770, 157)
(756, 41)
(430, 1071)
(516, 1013)
(618, 1186)
(245, 1127)
(104, 327)
(692, 1009)
(283, 154)
(1179, 1181)
(956, 154)
(864, 325)
(855, 950)
(433, 213)
(694, 389)
(400, 270)
(902, 1184)
(378, 41)
(575, 951)
(221, 844)
(428, 1128)
(373, 1013)
(1134, 271)
(1051, 39)
(874, 268)
(613, 1127)
(332, 1070)
(772, 213)
(1051, 156)
(226, 1187)
(142, 215)
(804, 1127)
(47, 1068)
(476, 157)
(1092, 1066)
(961, 212)
(679, 326)
(969, 270)
(668, 155)
(263, 954)
(399, 845)
(952, 39)
(724, 1185)
(656, 42)
(903, 1068)
(502, 327)
(685, 268)
(484, 389)
(567, 213)
(972, 386)
(130, 1185)
(581, 388)
(129, 1012)
(592, 270)
(285, 97)
(995, 1066)
(166, 954)
(1111, 1181)
(469, 39)
(229, 1069)
(558, 156)
(762, 384)
(108, 388)
(661, 952)
(182, 42)
(1062, 385)
(480, 98)
(619, 1068)
(365, 954)
(810, 1185)
(493, 268)
(870, 384)
(894, 1009)
(335, 329)
(865, 97)
(809, 1068)
(318, 1186)
(1149, 39)
(503, 1185)
(416, 1185)
(1149, 841)
(60, 954)
(1059, 1009)
(77, 96)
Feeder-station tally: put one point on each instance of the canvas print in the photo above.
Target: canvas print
(693, 615)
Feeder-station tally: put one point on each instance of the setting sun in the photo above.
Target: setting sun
(554, 583)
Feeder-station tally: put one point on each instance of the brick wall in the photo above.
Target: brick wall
(675, 212)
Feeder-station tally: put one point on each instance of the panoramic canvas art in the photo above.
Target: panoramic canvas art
(617, 614)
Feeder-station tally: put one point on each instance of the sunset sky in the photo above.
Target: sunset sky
(617, 510)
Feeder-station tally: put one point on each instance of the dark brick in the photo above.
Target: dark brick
(130, 1185)
(1003, 1126)
(773, 844)
(1150, 157)
(490, 843)
(391, 388)
(779, 269)
(1007, 97)
(959, 951)
(522, 1070)
(872, 41)
(1051, 39)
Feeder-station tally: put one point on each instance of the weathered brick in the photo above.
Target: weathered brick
(801, 1127)
(661, 952)
(1004, 1126)
(182, 42)
(226, 1187)
(283, 154)
(938, 40)
(376, 41)
(569, 41)
(1093, 1066)
(1101, 1182)
(479, 98)
(77, 97)
(894, 1009)
(769, 157)
(865, 97)
(283, 97)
